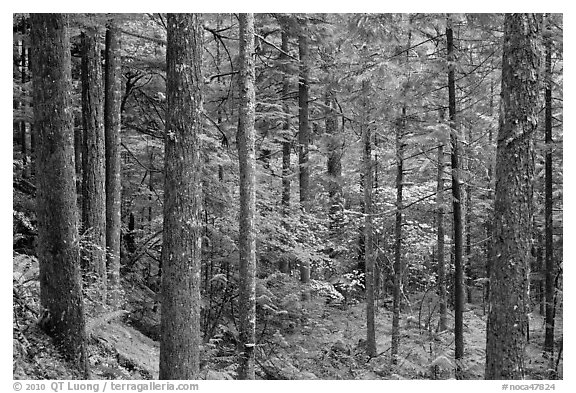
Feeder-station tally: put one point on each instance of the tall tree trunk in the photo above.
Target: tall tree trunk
(440, 232)
(181, 253)
(79, 162)
(334, 165)
(58, 253)
(303, 124)
(549, 335)
(150, 187)
(112, 101)
(368, 237)
(334, 145)
(509, 299)
(247, 240)
(489, 219)
(304, 137)
(286, 136)
(400, 125)
(24, 79)
(456, 205)
(93, 186)
(468, 220)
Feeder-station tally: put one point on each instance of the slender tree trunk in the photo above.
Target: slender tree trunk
(78, 148)
(334, 146)
(129, 237)
(32, 132)
(541, 266)
(304, 138)
(58, 252)
(303, 125)
(247, 241)
(440, 232)
(24, 79)
(112, 100)
(181, 253)
(489, 219)
(93, 186)
(286, 143)
(368, 238)
(150, 187)
(334, 165)
(509, 299)
(548, 205)
(456, 206)
(401, 124)
(468, 221)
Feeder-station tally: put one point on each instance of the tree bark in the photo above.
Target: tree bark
(490, 213)
(23, 127)
(440, 233)
(58, 252)
(400, 125)
(334, 165)
(112, 124)
(247, 241)
(286, 143)
(509, 299)
(468, 220)
(548, 204)
(182, 235)
(303, 124)
(334, 146)
(368, 240)
(304, 137)
(93, 185)
(456, 206)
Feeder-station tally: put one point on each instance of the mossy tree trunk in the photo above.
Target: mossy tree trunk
(247, 159)
(94, 172)
(303, 123)
(456, 205)
(368, 225)
(440, 233)
(112, 100)
(286, 134)
(181, 253)
(548, 203)
(509, 299)
(58, 251)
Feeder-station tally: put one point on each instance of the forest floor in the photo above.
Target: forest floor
(327, 344)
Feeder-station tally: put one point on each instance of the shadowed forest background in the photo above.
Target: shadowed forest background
(287, 196)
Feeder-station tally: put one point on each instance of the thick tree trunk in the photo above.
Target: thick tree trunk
(440, 233)
(548, 223)
(456, 205)
(93, 185)
(247, 240)
(180, 320)
(368, 238)
(509, 299)
(58, 253)
(303, 125)
(112, 100)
